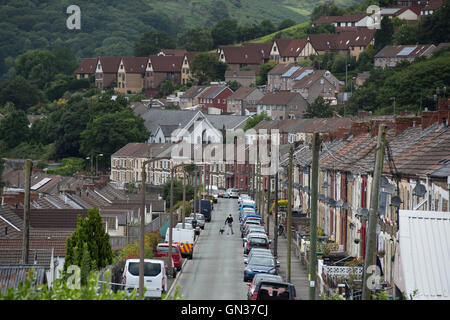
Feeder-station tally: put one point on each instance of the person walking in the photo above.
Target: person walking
(229, 223)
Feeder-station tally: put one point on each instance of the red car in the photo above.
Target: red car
(162, 250)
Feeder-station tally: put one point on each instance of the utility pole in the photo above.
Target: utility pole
(370, 259)
(169, 253)
(268, 208)
(141, 244)
(184, 197)
(275, 223)
(289, 217)
(26, 212)
(313, 222)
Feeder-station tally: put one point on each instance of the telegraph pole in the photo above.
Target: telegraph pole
(313, 222)
(141, 236)
(169, 253)
(275, 223)
(370, 259)
(289, 217)
(26, 212)
(184, 198)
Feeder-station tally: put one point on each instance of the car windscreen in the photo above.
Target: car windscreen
(262, 261)
(150, 269)
(187, 225)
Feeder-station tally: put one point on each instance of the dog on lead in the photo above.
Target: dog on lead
(221, 230)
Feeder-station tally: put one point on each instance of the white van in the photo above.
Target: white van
(184, 238)
(155, 278)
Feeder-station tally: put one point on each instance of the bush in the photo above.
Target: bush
(69, 166)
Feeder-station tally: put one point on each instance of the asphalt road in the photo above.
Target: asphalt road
(217, 270)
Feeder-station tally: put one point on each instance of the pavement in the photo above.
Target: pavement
(299, 274)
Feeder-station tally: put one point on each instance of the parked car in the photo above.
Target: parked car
(200, 220)
(220, 194)
(256, 241)
(215, 194)
(258, 278)
(274, 290)
(162, 250)
(247, 224)
(233, 193)
(260, 264)
(258, 252)
(155, 277)
(254, 228)
(243, 197)
(189, 224)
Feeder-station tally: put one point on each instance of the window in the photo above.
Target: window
(150, 269)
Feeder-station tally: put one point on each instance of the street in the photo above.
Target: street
(216, 271)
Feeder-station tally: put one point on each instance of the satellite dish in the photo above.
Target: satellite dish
(351, 177)
(345, 206)
(332, 202)
(396, 201)
(339, 203)
(419, 190)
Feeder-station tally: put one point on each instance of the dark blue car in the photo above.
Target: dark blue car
(260, 264)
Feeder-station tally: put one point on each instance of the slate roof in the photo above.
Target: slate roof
(226, 121)
(278, 98)
(88, 65)
(280, 68)
(167, 63)
(410, 51)
(242, 93)
(110, 64)
(290, 47)
(141, 149)
(135, 64)
(212, 92)
(193, 92)
(242, 55)
(154, 117)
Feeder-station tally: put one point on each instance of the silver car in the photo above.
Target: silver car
(233, 193)
(200, 220)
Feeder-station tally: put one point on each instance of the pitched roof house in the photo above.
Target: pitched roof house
(291, 50)
(86, 68)
(282, 105)
(390, 56)
(215, 96)
(244, 78)
(106, 72)
(130, 74)
(190, 97)
(162, 68)
(243, 101)
(238, 57)
(317, 83)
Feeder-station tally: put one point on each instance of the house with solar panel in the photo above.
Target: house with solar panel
(390, 56)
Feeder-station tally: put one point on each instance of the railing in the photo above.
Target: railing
(342, 271)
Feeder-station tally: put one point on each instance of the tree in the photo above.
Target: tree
(319, 109)
(91, 233)
(264, 70)
(167, 88)
(253, 121)
(14, 129)
(108, 132)
(207, 67)
(37, 66)
(177, 192)
(233, 85)
(225, 32)
(383, 36)
(406, 34)
(435, 28)
(286, 23)
(151, 42)
(196, 39)
(21, 92)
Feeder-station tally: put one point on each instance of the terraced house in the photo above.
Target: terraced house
(130, 75)
(287, 51)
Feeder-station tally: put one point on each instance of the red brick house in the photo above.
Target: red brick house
(215, 96)
(86, 68)
(106, 72)
(162, 68)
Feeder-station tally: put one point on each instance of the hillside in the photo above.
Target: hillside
(111, 27)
